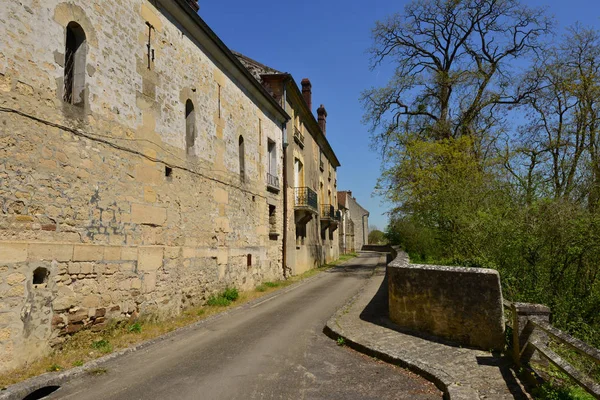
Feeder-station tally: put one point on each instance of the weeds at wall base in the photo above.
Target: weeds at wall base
(79, 348)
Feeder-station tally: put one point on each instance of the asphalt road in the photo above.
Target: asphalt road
(274, 349)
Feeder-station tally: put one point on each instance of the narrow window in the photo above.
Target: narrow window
(241, 156)
(272, 157)
(190, 127)
(75, 53)
(249, 260)
(272, 221)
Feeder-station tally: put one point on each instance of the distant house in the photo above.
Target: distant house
(354, 223)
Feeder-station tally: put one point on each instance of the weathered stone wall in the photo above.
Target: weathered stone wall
(463, 305)
(106, 198)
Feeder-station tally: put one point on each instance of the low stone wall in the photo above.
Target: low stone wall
(51, 290)
(463, 305)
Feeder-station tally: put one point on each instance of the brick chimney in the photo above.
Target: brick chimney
(322, 118)
(194, 4)
(307, 92)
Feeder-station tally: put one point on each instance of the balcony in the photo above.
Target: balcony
(305, 199)
(272, 183)
(298, 137)
(329, 217)
(327, 211)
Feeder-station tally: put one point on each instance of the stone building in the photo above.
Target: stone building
(140, 168)
(310, 173)
(354, 232)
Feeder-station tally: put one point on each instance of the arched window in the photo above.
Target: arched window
(75, 53)
(190, 127)
(241, 155)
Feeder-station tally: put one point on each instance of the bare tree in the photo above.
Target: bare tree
(452, 63)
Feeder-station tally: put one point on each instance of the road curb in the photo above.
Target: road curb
(332, 329)
(22, 389)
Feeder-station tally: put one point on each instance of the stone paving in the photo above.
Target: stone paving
(461, 373)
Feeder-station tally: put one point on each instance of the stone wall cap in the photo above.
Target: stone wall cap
(402, 262)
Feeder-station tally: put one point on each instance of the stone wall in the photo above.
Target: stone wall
(463, 305)
(103, 204)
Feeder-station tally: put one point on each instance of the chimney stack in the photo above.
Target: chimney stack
(307, 92)
(322, 118)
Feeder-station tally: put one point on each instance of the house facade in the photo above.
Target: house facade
(354, 230)
(311, 217)
(141, 168)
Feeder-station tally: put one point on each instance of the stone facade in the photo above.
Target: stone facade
(355, 223)
(122, 186)
(310, 170)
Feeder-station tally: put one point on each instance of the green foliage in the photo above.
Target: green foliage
(271, 284)
(135, 328)
(261, 288)
(78, 363)
(54, 368)
(231, 294)
(553, 392)
(103, 345)
(223, 299)
(340, 341)
(377, 237)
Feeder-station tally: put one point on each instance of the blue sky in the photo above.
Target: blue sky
(327, 41)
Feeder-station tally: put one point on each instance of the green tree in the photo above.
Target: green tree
(377, 237)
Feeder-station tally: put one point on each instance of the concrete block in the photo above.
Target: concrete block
(150, 258)
(85, 252)
(49, 251)
(129, 253)
(144, 214)
(112, 253)
(13, 252)
(221, 196)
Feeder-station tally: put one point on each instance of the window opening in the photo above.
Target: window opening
(75, 53)
(40, 276)
(190, 127)
(241, 156)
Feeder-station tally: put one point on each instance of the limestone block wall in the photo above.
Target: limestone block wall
(104, 205)
(463, 305)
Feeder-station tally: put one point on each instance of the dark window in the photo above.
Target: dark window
(190, 127)
(40, 275)
(241, 156)
(249, 260)
(168, 173)
(272, 220)
(75, 53)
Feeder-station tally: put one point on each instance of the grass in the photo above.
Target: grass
(86, 345)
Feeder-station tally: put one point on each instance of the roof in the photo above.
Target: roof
(260, 72)
(213, 45)
(342, 198)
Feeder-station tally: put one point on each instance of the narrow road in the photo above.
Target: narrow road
(272, 350)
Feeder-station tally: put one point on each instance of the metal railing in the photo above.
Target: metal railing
(272, 181)
(298, 136)
(327, 211)
(306, 197)
(533, 332)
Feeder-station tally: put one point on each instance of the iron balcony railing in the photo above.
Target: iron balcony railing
(272, 182)
(306, 198)
(298, 136)
(327, 211)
